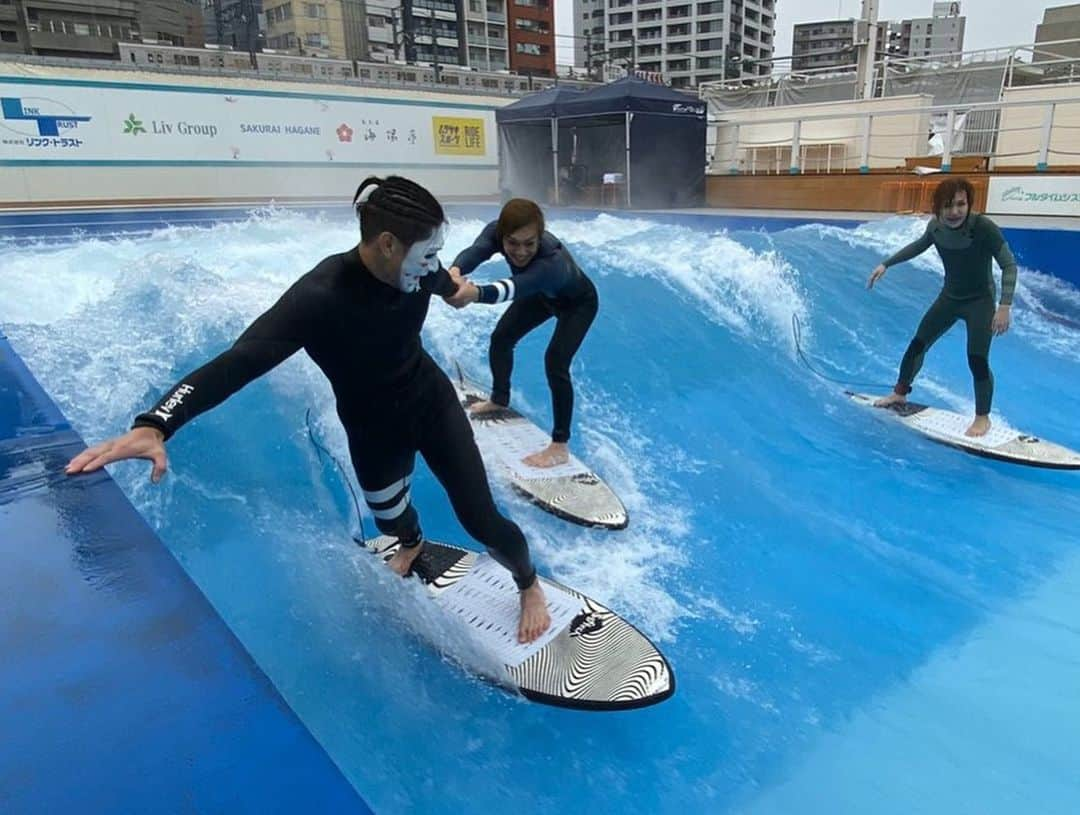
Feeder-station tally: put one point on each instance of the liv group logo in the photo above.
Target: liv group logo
(38, 117)
(133, 126)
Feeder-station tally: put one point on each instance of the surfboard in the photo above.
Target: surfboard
(1002, 443)
(590, 658)
(570, 491)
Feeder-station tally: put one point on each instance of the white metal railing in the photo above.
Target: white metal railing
(1039, 132)
(1022, 65)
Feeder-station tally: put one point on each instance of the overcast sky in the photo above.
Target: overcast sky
(990, 23)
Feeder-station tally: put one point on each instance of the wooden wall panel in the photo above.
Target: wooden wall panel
(868, 192)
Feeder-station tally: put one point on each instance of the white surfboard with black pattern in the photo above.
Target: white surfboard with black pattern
(590, 658)
(570, 491)
(1002, 443)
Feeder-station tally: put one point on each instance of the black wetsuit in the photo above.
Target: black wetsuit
(392, 398)
(967, 294)
(551, 285)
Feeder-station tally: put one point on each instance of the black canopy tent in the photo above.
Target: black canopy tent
(650, 135)
(529, 144)
(660, 132)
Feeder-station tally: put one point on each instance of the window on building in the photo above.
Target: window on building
(280, 13)
(532, 49)
(8, 36)
(539, 26)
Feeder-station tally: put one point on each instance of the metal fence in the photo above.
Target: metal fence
(1039, 133)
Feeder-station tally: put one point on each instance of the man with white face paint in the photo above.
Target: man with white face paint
(422, 260)
(358, 316)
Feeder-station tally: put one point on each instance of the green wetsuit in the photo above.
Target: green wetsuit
(968, 295)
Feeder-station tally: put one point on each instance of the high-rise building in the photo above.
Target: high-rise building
(589, 34)
(434, 32)
(485, 29)
(686, 41)
(236, 24)
(379, 29)
(355, 28)
(475, 33)
(833, 44)
(437, 32)
(90, 29)
(177, 22)
(530, 27)
(14, 38)
(1058, 23)
(306, 27)
(935, 36)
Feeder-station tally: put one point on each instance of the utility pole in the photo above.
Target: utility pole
(867, 51)
(394, 31)
(251, 24)
(434, 46)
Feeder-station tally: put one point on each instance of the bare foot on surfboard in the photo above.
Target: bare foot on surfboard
(534, 614)
(890, 400)
(979, 427)
(553, 455)
(486, 406)
(403, 558)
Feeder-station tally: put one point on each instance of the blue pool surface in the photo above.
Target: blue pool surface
(859, 620)
(122, 690)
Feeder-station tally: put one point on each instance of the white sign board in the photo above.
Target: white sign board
(1034, 195)
(109, 124)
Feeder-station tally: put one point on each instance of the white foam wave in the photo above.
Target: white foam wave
(631, 574)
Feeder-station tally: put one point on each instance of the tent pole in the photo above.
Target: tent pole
(555, 154)
(629, 116)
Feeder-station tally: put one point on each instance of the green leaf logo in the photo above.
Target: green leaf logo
(133, 125)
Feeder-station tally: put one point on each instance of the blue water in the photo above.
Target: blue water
(859, 620)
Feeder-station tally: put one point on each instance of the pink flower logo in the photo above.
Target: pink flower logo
(344, 132)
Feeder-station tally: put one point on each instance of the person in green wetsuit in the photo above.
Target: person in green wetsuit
(966, 242)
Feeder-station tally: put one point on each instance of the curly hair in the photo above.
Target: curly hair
(947, 190)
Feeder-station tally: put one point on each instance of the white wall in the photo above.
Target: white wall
(175, 140)
(765, 145)
(1021, 127)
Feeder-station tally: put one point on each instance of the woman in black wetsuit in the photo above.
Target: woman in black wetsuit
(544, 282)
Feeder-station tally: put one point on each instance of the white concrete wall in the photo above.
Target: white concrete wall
(765, 144)
(1021, 127)
(97, 162)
